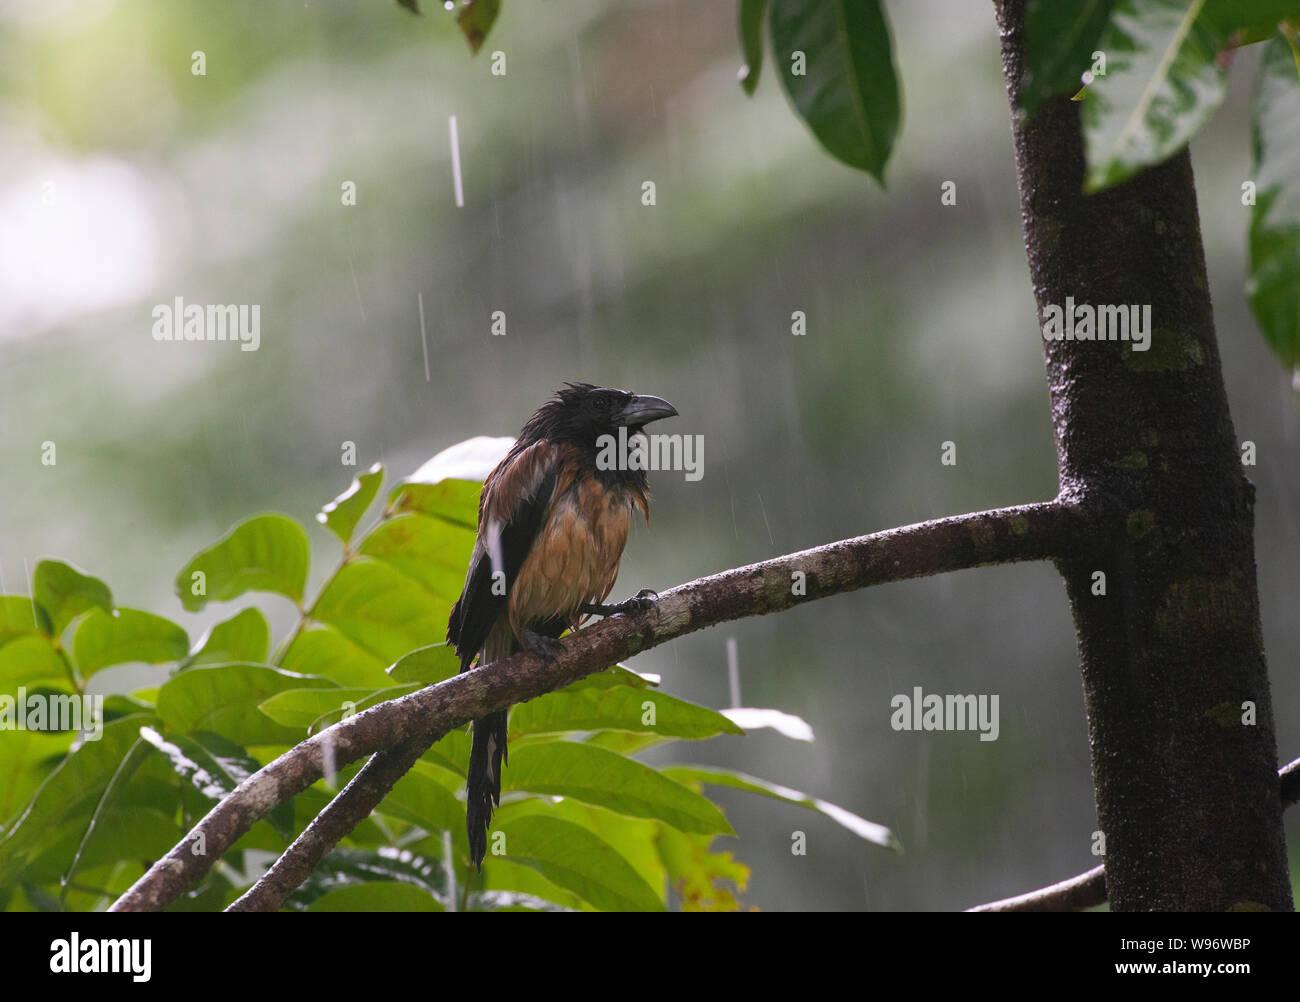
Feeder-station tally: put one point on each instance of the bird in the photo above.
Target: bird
(552, 525)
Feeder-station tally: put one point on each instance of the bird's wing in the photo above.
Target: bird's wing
(516, 498)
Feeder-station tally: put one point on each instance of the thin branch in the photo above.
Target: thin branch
(1289, 778)
(1088, 890)
(342, 814)
(1046, 531)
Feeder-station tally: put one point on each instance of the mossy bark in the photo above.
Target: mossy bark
(1176, 685)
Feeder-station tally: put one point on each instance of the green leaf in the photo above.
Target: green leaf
(1162, 83)
(626, 743)
(317, 708)
(342, 514)
(125, 635)
(18, 617)
(357, 867)
(211, 765)
(430, 551)
(378, 896)
(451, 752)
(264, 553)
(848, 90)
(1273, 284)
(121, 832)
(476, 18)
(606, 779)
(381, 609)
(1060, 39)
(1246, 17)
(422, 799)
(26, 759)
(70, 793)
(753, 718)
(448, 485)
(65, 592)
(620, 708)
(573, 858)
(28, 659)
(225, 699)
(699, 875)
(861, 827)
(632, 838)
(322, 650)
(750, 21)
(427, 665)
(243, 637)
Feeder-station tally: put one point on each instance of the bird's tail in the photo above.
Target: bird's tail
(483, 791)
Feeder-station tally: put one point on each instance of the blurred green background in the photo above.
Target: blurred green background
(226, 188)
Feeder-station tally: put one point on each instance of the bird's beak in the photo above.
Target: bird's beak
(641, 410)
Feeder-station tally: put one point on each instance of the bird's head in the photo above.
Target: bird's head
(580, 413)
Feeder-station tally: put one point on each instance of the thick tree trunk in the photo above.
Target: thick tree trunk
(1172, 654)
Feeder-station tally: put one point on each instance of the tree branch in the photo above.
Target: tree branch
(1047, 531)
(1088, 890)
(342, 814)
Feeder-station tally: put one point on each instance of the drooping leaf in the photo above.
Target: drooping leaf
(750, 17)
(606, 779)
(1273, 285)
(65, 592)
(699, 875)
(476, 18)
(634, 839)
(574, 858)
(836, 64)
(753, 718)
(243, 637)
(264, 553)
(342, 514)
(103, 639)
(1162, 83)
(861, 827)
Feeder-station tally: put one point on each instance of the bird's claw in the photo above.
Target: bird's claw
(640, 602)
(546, 648)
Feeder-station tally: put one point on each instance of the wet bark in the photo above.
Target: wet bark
(1172, 654)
